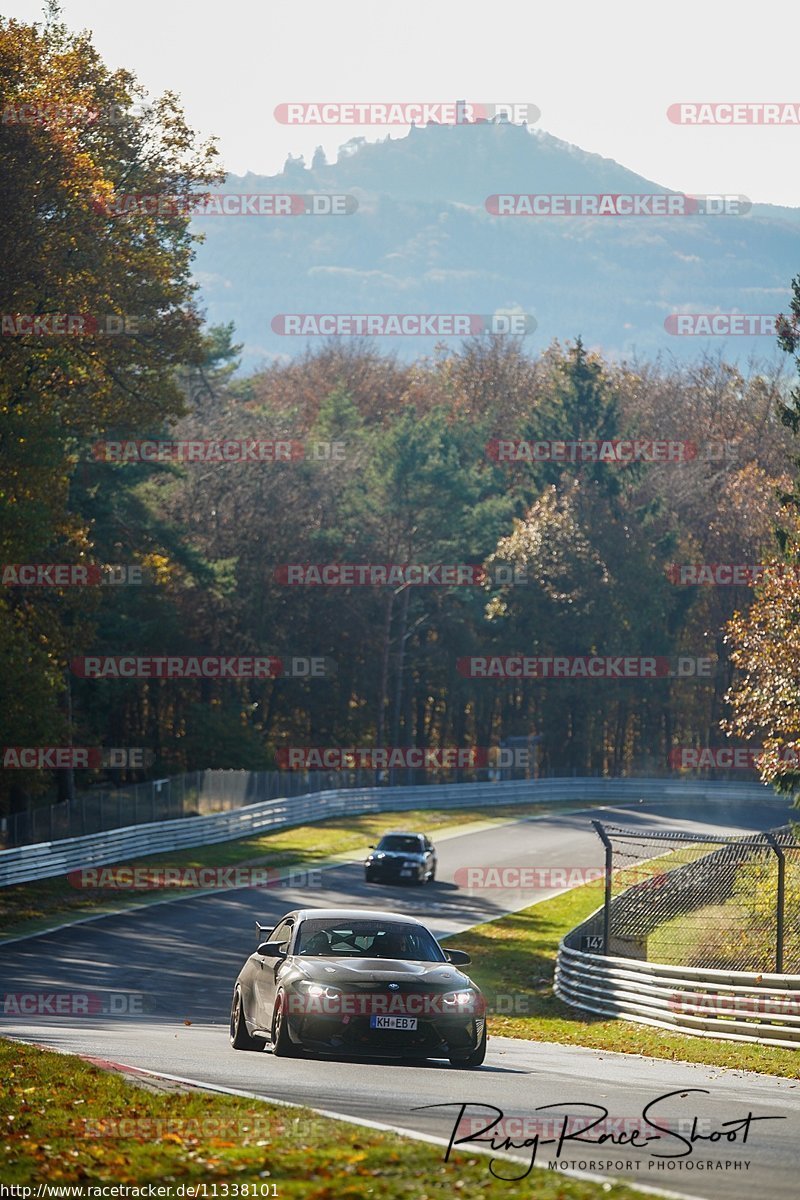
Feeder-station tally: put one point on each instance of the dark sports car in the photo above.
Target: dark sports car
(401, 857)
(355, 982)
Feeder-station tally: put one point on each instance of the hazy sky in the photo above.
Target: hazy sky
(602, 75)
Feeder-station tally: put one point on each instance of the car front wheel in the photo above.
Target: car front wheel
(282, 1044)
(476, 1058)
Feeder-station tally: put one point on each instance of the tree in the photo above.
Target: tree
(116, 319)
(765, 697)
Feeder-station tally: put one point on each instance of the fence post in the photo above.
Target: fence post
(780, 904)
(601, 833)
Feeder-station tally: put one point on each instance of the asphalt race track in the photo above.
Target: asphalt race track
(179, 960)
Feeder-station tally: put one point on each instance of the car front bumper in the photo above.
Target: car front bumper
(395, 872)
(442, 1037)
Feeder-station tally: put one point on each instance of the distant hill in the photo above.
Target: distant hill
(422, 241)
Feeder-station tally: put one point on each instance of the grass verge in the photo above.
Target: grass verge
(33, 907)
(515, 957)
(69, 1122)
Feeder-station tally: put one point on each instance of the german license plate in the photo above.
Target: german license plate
(405, 872)
(393, 1022)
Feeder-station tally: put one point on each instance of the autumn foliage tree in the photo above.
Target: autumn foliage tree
(765, 641)
(70, 144)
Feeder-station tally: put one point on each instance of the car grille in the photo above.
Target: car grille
(358, 1033)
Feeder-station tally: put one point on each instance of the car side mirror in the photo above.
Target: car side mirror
(458, 957)
(272, 949)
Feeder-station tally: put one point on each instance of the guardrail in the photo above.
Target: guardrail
(45, 860)
(740, 1006)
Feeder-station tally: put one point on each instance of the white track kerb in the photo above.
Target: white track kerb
(363, 1122)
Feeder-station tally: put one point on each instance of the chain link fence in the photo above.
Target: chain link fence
(696, 900)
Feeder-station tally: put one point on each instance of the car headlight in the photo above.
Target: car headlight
(465, 1002)
(310, 988)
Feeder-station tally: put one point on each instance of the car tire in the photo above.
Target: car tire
(240, 1038)
(476, 1058)
(369, 877)
(282, 1044)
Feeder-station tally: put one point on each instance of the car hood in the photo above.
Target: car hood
(339, 971)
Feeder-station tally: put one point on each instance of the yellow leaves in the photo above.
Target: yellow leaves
(159, 567)
(765, 698)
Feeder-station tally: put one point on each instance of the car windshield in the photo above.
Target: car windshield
(400, 841)
(367, 939)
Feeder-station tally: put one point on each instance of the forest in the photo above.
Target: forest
(381, 533)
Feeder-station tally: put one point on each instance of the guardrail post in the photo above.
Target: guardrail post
(780, 904)
(601, 833)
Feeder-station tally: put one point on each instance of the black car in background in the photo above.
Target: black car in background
(356, 982)
(401, 857)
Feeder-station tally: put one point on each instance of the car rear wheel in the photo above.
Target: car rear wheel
(282, 1044)
(476, 1058)
(240, 1038)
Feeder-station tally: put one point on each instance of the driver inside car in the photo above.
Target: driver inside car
(318, 943)
(394, 945)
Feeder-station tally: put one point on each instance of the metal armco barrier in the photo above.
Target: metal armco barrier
(741, 1006)
(48, 859)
